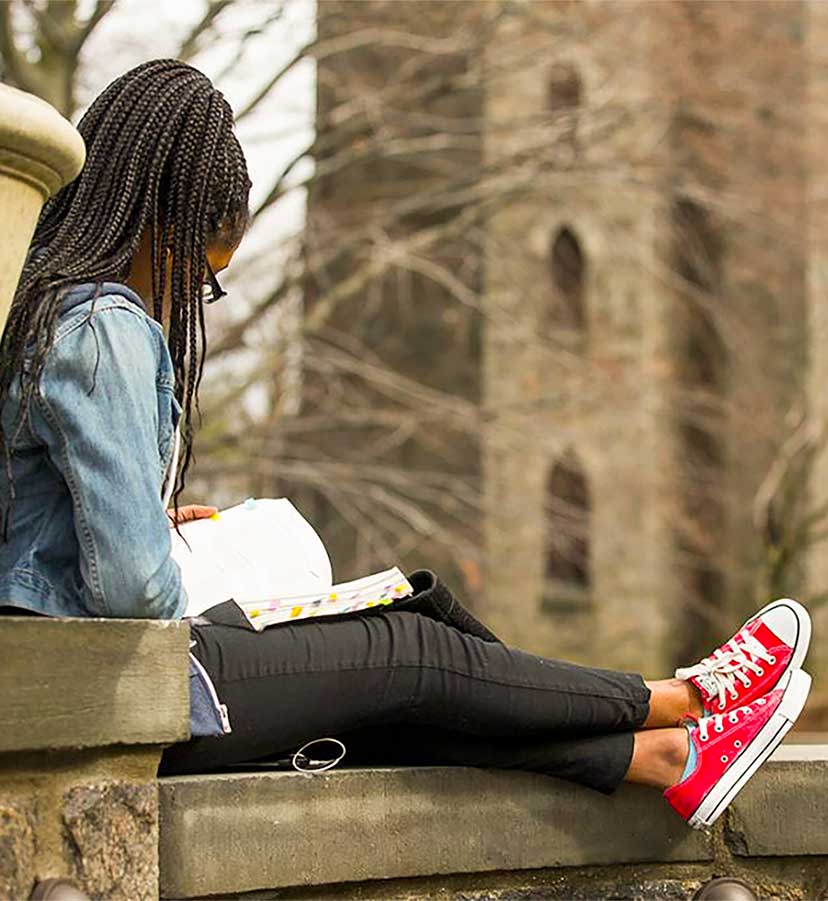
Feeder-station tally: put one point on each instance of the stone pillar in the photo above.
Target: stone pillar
(86, 707)
(39, 153)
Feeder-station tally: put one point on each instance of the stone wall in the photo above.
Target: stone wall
(85, 709)
(439, 833)
(688, 192)
(597, 397)
(87, 705)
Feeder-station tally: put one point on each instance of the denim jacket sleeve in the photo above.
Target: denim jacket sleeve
(98, 415)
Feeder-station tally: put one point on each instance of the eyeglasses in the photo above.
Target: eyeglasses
(211, 290)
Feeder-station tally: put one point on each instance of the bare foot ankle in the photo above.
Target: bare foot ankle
(670, 700)
(659, 757)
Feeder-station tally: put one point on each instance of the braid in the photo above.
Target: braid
(162, 159)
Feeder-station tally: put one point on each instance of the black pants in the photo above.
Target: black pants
(399, 687)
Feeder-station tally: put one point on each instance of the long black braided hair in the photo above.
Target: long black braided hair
(162, 158)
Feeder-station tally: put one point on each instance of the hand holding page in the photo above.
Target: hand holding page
(267, 558)
(253, 551)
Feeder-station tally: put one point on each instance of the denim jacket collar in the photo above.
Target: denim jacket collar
(78, 294)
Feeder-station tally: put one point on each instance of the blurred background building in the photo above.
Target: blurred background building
(621, 285)
(537, 299)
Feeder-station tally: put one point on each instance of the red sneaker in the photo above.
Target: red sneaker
(731, 747)
(772, 643)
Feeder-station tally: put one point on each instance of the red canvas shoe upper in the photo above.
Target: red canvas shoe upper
(746, 667)
(719, 740)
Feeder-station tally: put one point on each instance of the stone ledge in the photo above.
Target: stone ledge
(234, 833)
(80, 683)
(784, 810)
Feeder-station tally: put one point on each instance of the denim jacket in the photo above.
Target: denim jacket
(89, 535)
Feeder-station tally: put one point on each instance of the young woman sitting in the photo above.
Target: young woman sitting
(101, 362)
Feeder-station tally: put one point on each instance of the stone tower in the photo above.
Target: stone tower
(646, 336)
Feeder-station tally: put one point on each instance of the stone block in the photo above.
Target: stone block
(111, 839)
(784, 809)
(17, 848)
(229, 833)
(76, 683)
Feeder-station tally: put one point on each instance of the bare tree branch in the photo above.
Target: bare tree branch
(24, 73)
(102, 7)
(190, 45)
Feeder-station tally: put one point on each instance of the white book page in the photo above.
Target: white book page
(256, 550)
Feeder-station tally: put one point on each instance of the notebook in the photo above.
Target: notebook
(266, 558)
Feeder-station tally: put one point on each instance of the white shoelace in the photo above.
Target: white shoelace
(718, 719)
(718, 674)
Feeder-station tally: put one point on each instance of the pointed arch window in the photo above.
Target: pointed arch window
(702, 358)
(698, 246)
(567, 564)
(564, 90)
(698, 263)
(567, 270)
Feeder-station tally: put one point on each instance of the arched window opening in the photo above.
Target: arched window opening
(702, 446)
(698, 247)
(704, 358)
(564, 88)
(568, 516)
(697, 259)
(563, 97)
(567, 270)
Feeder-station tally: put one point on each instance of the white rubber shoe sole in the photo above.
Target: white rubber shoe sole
(757, 752)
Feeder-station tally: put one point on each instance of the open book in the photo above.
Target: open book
(267, 558)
